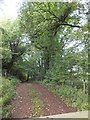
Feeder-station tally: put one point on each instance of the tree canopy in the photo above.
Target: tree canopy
(48, 40)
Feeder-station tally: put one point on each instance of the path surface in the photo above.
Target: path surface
(52, 104)
(22, 103)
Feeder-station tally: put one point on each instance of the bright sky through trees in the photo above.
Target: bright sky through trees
(9, 8)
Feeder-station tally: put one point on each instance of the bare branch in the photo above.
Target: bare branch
(70, 25)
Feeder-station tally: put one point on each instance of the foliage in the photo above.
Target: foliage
(48, 41)
(72, 96)
(71, 69)
(12, 46)
(7, 87)
(47, 22)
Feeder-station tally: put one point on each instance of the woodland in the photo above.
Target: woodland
(47, 44)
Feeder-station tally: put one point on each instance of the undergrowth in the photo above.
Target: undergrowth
(8, 91)
(72, 96)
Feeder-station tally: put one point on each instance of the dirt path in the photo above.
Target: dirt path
(22, 103)
(52, 104)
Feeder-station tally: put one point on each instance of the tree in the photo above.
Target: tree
(43, 22)
(12, 46)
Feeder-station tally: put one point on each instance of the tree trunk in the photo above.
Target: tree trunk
(27, 78)
(84, 86)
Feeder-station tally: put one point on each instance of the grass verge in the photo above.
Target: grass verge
(72, 96)
(37, 102)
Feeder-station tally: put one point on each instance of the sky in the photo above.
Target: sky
(9, 8)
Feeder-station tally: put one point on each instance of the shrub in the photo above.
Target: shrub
(7, 87)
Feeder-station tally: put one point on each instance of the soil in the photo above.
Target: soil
(22, 103)
(53, 104)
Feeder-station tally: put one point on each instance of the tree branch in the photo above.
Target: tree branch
(70, 25)
(53, 15)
